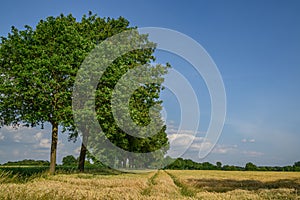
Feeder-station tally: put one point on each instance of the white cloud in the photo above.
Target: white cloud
(169, 122)
(33, 143)
(2, 137)
(201, 145)
(252, 140)
(38, 136)
(253, 153)
(20, 134)
(17, 137)
(188, 142)
(182, 138)
(224, 149)
(181, 141)
(43, 143)
(248, 140)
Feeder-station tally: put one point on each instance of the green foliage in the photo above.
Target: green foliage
(180, 163)
(250, 167)
(219, 165)
(232, 168)
(186, 164)
(38, 67)
(297, 164)
(27, 162)
(143, 99)
(184, 189)
(20, 174)
(69, 160)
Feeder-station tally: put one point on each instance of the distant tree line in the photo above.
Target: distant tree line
(176, 164)
(28, 162)
(187, 164)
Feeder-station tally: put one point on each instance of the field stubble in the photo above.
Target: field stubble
(170, 184)
(240, 184)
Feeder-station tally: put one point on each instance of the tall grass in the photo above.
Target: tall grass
(15, 177)
(7, 177)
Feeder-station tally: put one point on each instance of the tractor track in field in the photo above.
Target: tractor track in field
(184, 189)
(151, 182)
(163, 182)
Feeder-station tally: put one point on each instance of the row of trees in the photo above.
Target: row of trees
(187, 164)
(28, 162)
(179, 163)
(38, 67)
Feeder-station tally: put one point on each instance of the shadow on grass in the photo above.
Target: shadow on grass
(23, 174)
(100, 171)
(217, 185)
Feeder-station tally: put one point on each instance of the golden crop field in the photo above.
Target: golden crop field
(168, 184)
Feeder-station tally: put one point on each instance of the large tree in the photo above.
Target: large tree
(38, 67)
(152, 139)
(143, 97)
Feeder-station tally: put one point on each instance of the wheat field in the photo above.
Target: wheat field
(162, 184)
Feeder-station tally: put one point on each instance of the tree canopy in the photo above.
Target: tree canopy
(38, 67)
(69, 160)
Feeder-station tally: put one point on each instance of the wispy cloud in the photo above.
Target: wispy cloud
(2, 137)
(17, 136)
(225, 149)
(31, 143)
(183, 140)
(253, 153)
(38, 136)
(43, 143)
(248, 140)
(190, 143)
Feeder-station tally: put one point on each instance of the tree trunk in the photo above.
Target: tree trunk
(83, 150)
(82, 158)
(120, 163)
(53, 148)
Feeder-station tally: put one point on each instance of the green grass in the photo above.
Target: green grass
(151, 182)
(184, 189)
(23, 174)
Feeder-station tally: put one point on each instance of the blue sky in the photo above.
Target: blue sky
(255, 44)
